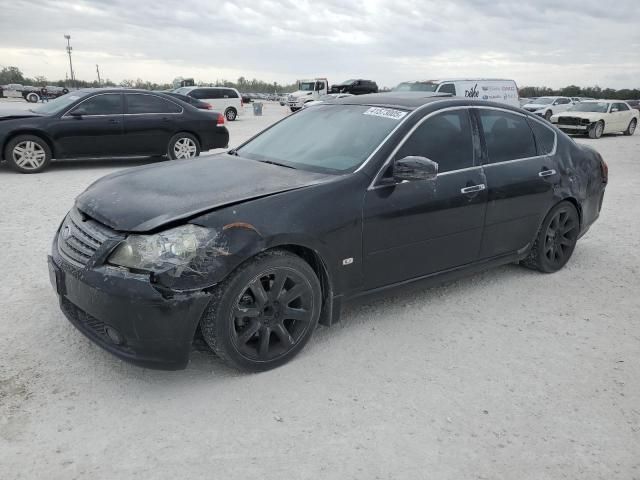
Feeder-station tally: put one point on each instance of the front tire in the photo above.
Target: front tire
(547, 115)
(231, 114)
(264, 313)
(28, 154)
(32, 97)
(632, 127)
(183, 146)
(597, 130)
(556, 239)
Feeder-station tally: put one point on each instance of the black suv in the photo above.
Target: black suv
(355, 87)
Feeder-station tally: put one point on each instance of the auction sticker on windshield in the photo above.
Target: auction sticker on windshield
(385, 113)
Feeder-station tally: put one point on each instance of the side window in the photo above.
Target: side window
(622, 107)
(142, 103)
(198, 93)
(445, 138)
(110, 104)
(545, 137)
(447, 88)
(563, 101)
(231, 93)
(507, 136)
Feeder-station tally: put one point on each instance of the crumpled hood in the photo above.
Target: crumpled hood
(587, 115)
(146, 198)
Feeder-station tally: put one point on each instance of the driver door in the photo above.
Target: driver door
(416, 228)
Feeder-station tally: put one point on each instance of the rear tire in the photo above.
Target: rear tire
(632, 127)
(27, 154)
(264, 313)
(231, 114)
(556, 239)
(597, 130)
(32, 97)
(183, 146)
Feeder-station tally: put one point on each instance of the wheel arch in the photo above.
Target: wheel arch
(574, 201)
(28, 131)
(328, 314)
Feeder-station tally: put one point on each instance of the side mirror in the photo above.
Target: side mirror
(78, 112)
(414, 168)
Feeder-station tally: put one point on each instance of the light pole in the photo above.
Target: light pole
(98, 71)
(69, 48)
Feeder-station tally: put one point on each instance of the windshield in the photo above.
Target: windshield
(544, 100)
(347, 82)
(325, 138)
(60, 103)
(306, 86)
(416, 87)
(599, 107)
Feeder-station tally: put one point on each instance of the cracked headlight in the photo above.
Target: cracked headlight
(174, 249)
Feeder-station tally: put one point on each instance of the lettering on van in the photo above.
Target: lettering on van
(473, 92)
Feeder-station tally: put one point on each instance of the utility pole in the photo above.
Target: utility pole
(69, 48)
(98, 71)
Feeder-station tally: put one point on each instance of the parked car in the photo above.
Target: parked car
(548, 106)
(108, 123)
(36, 94)
(326, 98)
(598, 117)
(237, 249)
(489, 89)
(199, 104)
(222, 99)
(246, 98)
(355, 87)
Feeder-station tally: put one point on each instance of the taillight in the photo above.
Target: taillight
(604, 169)
(241, 102)
(220, 120)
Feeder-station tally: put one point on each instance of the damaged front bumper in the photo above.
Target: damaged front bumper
(124, 314)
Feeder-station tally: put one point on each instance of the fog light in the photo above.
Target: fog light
(114, 335)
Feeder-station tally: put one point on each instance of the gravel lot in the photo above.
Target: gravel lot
(508, 374)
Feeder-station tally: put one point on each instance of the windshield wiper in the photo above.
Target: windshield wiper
(233, 151)
(277, 163)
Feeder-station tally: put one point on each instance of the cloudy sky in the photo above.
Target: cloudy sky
(536, 42)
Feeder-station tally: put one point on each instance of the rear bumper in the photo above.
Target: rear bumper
(219, 138)
(125, 315)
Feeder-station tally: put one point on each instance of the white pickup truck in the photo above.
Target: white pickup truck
(308, 90)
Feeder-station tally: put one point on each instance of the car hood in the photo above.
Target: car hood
(301, 93)
(537, 106)
(15, 113)
(146, 198)
(587, 115)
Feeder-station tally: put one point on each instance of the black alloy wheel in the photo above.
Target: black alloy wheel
(556, 240)
(264, 313)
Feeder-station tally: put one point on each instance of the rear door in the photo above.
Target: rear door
(149, 123)
(623, 115)
(521, 176)
(96, 133)
(412, 229)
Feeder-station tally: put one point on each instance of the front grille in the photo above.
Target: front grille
(572, 121)
(81, 237)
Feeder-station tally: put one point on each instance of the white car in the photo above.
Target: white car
(548, 106)
(327, 97)
(598, 117)
(223, 99)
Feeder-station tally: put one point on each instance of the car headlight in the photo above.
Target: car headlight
(174, 249)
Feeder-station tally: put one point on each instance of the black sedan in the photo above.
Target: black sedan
(96, 123)
(254, 248)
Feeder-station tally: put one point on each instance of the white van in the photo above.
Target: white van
(493, 90)
(223, 99)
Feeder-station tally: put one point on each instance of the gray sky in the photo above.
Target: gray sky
(535, 42)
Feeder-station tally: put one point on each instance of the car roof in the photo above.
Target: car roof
(414, 100)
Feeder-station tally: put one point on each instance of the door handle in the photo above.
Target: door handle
(473, 189)
(114, 120)
(546, 173)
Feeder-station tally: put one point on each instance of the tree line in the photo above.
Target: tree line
(15, 75)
